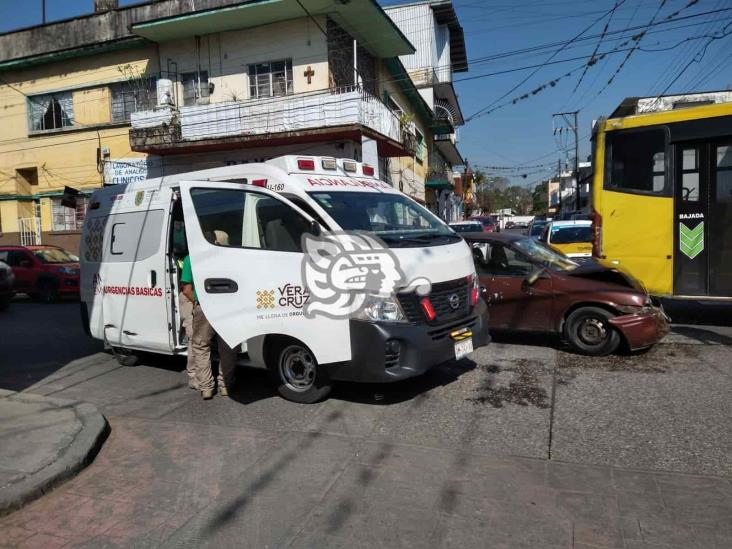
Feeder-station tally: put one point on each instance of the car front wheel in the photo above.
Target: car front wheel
(589, 332)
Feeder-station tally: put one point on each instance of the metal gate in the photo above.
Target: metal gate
(30, 231)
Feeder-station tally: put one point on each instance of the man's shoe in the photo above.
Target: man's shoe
(223, 392)
(207, 394)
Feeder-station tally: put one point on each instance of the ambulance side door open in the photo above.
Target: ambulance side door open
(244, 245)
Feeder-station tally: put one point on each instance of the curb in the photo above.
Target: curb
(76, 456)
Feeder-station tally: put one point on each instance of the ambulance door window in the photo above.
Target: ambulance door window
(307, 208)
(246, 219)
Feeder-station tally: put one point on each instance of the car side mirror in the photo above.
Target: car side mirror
(315, 228)
(533, 276)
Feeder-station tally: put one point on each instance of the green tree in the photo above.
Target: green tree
(540, 198)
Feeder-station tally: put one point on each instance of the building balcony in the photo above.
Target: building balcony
(446, 144)
(331, 115)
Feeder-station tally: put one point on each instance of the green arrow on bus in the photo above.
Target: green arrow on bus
(691, 241)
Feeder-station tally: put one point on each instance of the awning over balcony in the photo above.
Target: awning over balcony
(448, 149)
(363, 19)
(438, 184)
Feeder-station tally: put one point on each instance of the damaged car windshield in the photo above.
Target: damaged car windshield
(546, 256)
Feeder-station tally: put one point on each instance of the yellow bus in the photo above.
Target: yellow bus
(662, 193)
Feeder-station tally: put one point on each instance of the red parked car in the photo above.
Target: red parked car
(488, 222)
(530, 287)
(43, 272)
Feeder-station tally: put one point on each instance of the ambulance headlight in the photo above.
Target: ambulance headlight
(381, 309)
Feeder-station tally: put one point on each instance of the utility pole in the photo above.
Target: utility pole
(43, 11)
(571, 125)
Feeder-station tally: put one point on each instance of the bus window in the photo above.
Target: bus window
(636, 162)
(690, 175)
(724, 173)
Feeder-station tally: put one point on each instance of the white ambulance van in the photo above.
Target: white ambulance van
(242, 227)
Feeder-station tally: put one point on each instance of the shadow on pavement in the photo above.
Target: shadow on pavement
(702, 335)
(698, 312)
(39, 339)
(257, 385)
(533, 339)
(401, 391)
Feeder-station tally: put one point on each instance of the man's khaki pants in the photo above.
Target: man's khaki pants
(200, 354)
(186, 320)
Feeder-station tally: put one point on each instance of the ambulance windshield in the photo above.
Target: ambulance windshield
(392, 217)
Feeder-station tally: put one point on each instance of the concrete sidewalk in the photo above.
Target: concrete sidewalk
(43, 441)
(171, 484)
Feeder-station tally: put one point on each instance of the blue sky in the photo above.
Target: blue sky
(522, 133)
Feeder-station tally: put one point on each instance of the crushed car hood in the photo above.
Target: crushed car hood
(597, 271)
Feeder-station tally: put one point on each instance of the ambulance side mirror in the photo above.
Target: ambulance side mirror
(315, 228)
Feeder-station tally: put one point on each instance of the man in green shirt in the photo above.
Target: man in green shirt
(199, 346)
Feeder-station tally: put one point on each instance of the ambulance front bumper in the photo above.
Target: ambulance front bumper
(387, 352)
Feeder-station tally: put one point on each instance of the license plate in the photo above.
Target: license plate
(463, 348)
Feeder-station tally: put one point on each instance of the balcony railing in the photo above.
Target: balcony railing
(430, 76)
(291, 113)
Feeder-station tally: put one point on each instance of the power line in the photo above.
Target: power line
(523, 81)
(639, 38)
(700, 54)
(592, 60)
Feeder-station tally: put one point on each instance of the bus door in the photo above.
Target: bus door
(703, 232)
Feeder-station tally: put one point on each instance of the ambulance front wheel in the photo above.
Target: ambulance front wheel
(296, 373)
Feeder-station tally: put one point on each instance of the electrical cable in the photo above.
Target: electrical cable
(523, 81)
(592, 60)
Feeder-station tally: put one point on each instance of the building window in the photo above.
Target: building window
(51, 111)
(270, 79)
(132, 96)
(195, 87)
(636, 162)
(393, 105)
(421, 150)
(68, 219)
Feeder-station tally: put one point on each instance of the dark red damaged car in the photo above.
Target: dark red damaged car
(596, 308)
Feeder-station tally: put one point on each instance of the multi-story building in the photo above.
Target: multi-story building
(553, 189)
(433, 28)
(568, 189)
(165, 87)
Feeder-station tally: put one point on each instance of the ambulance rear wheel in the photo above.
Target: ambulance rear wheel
(296, 373)
(126, 357)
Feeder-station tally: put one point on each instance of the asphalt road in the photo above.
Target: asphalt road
(522, 408)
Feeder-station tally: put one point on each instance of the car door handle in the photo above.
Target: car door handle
(220, 286)
(153, 279)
